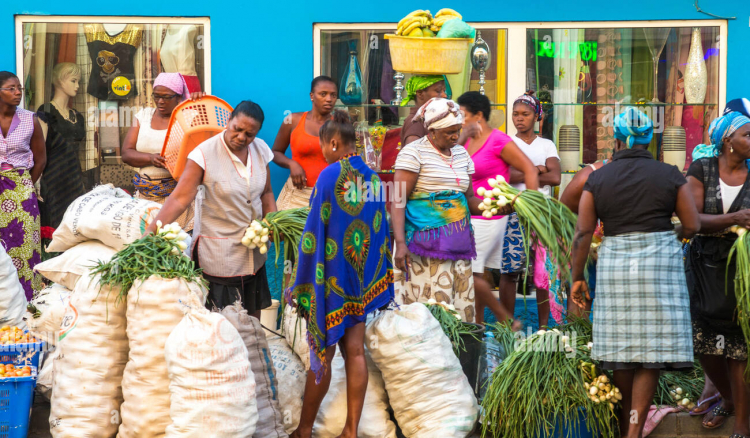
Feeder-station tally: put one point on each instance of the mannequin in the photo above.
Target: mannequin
(64, 129)
(177, 53)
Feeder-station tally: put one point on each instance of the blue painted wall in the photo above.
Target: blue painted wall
(264, 50)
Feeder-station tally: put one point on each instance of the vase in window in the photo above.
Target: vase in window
(696, 76)
(350, 91)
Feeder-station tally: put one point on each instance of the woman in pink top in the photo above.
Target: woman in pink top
(493, 153)
(22, 160)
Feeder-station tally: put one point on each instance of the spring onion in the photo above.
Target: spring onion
(450, 321)
(545, 221)
(740, 252)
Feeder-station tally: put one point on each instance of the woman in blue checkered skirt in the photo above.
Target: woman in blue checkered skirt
(642, 309)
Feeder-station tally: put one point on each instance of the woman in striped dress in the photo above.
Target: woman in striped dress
(431, 216)
(642, 310)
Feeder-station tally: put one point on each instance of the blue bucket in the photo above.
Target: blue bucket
(16, 398)
(569, 430)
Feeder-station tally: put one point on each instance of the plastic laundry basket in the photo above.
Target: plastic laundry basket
(192, 123)
(16, 399)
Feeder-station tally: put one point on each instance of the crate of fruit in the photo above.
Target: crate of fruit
(16, 397)
(19, 347)
(424, 44)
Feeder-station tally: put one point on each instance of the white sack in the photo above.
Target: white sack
(295, 331)
(69, 266)
(292, 376)
(51, 303)
(12, 296)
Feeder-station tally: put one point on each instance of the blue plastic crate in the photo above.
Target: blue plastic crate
(16, 399)
(21, 354)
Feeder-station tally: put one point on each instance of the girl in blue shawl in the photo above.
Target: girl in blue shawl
(343, 273)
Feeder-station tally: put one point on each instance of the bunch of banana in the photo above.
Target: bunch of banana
(416, 24)
(444, 15)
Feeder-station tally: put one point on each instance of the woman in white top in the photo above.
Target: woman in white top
(145, 139)
(543, 154)
(431, 219)
(231, 169)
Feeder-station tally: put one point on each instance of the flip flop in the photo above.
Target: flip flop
(718, 411)
(695, 413)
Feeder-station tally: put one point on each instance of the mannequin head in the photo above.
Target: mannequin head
(66, 77)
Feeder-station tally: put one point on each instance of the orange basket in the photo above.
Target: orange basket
(192, 123)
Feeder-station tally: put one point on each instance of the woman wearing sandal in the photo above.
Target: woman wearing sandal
(720, 183)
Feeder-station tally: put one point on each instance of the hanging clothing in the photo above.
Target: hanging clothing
(112, 61)
(177, 51)
(712, 299)
(151, 182)
(19, 226)
(62, 180)
(344, 271)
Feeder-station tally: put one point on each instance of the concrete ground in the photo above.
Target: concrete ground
(673, 426)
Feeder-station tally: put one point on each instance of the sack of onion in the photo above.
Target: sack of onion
(545, 221)
(211, 384)
(376, 419)
(152, 275)
(12, 298)
(294, 328)
(44, 314)
(547, 381)
(408, 345)
(292, 377)
(270, 420)
(92, 353)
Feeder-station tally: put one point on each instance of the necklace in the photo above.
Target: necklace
(71, 115)
(347, 156)
(442, 157)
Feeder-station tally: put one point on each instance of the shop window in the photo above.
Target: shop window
(340, 46)
(585, 77)
(90, 75)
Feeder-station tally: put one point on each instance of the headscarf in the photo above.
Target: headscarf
(439, 113)
(416, 83)
(742, 106)
(529, 99)
(721, 128)
(633, 127)
(174, 82)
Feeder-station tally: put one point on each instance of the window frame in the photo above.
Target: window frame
(516, 46)
(20, 20)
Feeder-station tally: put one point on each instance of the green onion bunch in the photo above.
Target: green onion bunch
(287, 225)
(675, 387)
(545, 220)
(451, 323)
(152, 254)
(543, 382)
(741, 253)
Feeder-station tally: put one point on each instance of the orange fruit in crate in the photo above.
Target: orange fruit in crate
(192, 123)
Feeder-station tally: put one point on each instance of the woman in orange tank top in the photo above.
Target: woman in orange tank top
(301, 133)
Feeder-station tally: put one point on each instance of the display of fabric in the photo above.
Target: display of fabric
(344, 271)
(62, 180)
(113, 68)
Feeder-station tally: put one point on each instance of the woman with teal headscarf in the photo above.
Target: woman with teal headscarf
(720, 184)
(641, 312)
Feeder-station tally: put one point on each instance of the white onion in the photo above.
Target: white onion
(481, 191)
(492, 182)
(497, 192)
(487, 201)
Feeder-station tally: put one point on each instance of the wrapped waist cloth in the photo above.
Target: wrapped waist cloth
(438, 225)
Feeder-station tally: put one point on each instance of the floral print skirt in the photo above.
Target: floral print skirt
(19, 226)
(447, 281)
